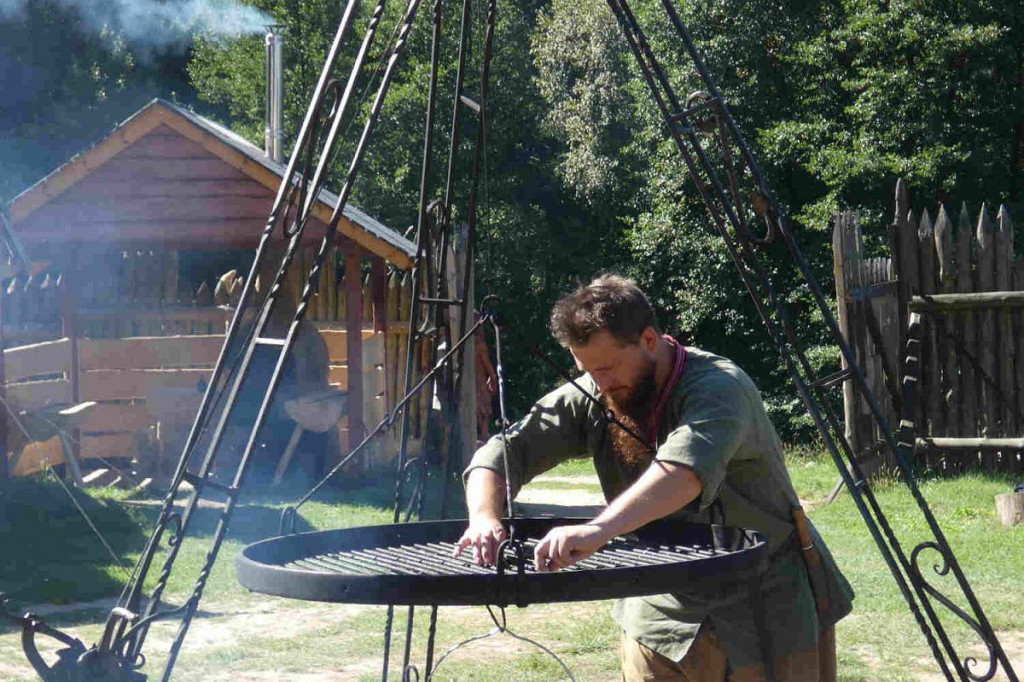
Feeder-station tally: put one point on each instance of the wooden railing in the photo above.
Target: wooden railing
(147, 387)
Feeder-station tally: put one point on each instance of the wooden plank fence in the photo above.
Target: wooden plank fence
(147, 369)
(972, 378)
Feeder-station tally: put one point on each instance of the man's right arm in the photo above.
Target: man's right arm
(554, 430)
(485, 500)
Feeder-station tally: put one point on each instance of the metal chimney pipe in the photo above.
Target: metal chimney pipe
(273, 138)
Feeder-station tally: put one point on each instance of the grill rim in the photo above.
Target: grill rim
(260, 566)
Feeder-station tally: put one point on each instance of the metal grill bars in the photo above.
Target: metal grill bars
(435, 558)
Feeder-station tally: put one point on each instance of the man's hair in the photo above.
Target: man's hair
(610, 302)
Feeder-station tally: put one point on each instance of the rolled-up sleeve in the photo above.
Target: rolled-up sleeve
(553, 431)
(709, 431)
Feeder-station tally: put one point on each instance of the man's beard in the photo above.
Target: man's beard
(634, 412)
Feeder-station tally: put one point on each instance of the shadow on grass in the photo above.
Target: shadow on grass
(52, 555)
(54, 562)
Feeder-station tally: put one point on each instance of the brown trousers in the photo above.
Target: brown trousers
(706, 662)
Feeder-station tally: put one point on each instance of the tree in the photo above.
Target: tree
(536, 236)
(837, 99)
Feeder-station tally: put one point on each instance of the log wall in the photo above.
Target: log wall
(972, 379)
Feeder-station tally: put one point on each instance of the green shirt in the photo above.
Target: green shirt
(715, 424)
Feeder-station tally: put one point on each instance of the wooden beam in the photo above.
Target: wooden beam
(338, 347)
(354, 323)
(32, 395)
(373, 380)
(69, 312)
(48, 357)
(975, 301)
(113, 417)
(49, 452)
(100, 184)
(972, 444)
(117, 384)
(98, 209)
(150, 352)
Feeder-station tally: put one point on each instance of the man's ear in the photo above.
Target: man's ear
(649, 339)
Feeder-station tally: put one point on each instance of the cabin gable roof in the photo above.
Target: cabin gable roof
(168, 174)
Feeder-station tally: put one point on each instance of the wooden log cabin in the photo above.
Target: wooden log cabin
(107, 316)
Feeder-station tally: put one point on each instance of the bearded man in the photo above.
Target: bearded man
(716, 453)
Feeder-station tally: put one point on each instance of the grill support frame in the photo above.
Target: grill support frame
(652, 561)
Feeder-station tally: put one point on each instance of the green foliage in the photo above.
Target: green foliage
(836, 98)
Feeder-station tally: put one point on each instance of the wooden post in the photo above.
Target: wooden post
(1017, 465)
(968, 379)
(368, 300)
(1004, 275)
(1010, 508)
(69, 322)
(839, 264)
(931, 384)
(950, 376)
(394, 346)
(902, 284)
(321, 297)
(354, 329)
(379, 305)
(987, 332)
(331, 279)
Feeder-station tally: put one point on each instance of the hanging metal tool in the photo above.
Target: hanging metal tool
(737, 196)
(436, 295)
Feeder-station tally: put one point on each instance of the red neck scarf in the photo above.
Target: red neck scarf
(678, 367)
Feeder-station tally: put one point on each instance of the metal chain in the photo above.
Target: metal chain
(500, 628)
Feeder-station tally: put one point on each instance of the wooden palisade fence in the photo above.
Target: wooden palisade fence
(143, 347)
(972, 366)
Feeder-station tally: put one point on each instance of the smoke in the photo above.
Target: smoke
(158, 25)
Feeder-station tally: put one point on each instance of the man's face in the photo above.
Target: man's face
(623, 372)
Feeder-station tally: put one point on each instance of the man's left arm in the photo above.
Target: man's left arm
(663, 489)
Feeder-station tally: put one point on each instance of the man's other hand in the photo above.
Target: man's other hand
(565, 545)
(483, 535)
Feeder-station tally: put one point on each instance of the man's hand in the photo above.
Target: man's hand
(565, 545)
(484, 534)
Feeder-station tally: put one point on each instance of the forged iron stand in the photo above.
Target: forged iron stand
(737, 196)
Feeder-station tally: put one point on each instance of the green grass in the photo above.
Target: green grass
(51, 556)
(582, 486)
(573, 467)
(881, 639)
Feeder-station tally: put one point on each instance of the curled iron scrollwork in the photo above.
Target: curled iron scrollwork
(172, 519)
(942, 569)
